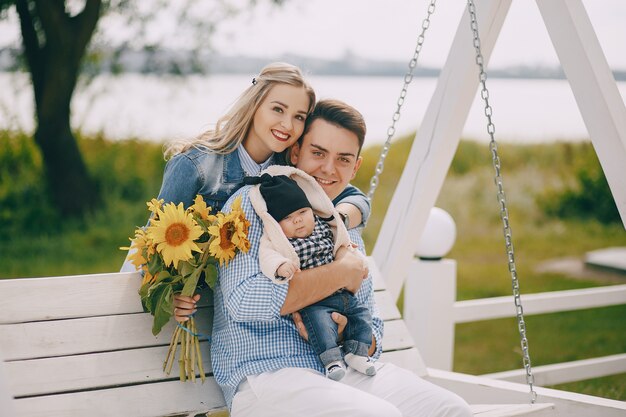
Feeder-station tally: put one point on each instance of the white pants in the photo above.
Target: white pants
(392, 392)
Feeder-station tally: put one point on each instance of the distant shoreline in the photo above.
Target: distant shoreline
(181, 63)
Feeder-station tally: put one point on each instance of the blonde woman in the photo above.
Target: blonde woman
(266, 119)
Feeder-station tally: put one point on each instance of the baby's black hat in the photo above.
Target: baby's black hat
(282, 195)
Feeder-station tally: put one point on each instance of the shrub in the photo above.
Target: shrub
(24, 196)
(588, 198)
(129, 170)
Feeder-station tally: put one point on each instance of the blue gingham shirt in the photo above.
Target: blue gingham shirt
(249, 334)
(250, 167)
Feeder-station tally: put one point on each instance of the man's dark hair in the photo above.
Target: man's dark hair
(339, 114)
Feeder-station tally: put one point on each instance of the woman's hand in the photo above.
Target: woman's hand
(184, 307)
(340, 319)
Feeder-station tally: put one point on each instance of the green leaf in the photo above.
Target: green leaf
(176, 279)
(163, 308)
(191, 282)
(210, 275)
(163, 275)
(152, 294)
(155, 264)
(200, 221)
(143, 294)
(185, 268)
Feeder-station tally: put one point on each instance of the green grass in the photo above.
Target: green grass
(131, 173)
(80, 247)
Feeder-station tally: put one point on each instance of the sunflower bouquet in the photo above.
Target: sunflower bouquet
(173, 252)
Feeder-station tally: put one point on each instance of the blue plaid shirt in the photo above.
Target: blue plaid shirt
(249, 334)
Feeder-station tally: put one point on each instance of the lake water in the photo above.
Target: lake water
(165, 108)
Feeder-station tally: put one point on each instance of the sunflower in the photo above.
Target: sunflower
(155, 205)
(222, 246)
(236, 206)
(240, 231)
(147, 277)
(139, 243)
(174, 234)
(240, 226)
(199, 206)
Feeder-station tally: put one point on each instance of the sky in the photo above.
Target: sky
(387, 29)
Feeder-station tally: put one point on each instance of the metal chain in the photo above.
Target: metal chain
(408, 77)
(504, 213)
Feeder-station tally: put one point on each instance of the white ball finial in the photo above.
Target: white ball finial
(438, 236)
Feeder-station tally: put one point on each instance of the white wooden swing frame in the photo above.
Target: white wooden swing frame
(81, 345)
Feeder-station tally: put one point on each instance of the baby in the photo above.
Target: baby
(301, 230)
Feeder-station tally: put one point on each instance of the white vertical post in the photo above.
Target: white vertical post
(594, 88)
(429, 296)
(430, 292)
(434, 145)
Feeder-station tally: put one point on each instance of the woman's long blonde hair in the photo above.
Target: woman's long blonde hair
(232, 128)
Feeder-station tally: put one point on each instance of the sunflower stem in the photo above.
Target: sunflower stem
(181, 360)
(187, 361)
(171, 353)
(193, 349)
(199, 354)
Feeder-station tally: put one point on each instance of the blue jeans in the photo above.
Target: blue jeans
(323, 330)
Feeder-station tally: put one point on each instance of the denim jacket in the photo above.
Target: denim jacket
(200, 171)
(216, 177)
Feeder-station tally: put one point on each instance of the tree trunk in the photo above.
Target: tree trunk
(54, 44)
(72, 190)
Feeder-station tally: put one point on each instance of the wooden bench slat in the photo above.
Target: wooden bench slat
(396, 336)
(407, 358)
(69, 296)
(147, 400)
(73, 296)
(379, 281)
(76, 372)
(96, 370)
(386, 306)
(103, 294)
(510, 410)
(85, 335)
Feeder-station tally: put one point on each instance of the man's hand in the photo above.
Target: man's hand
(340, 319)
(353, 269)
(184, 307)
(312, 285)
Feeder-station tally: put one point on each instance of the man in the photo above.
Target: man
(260, 355)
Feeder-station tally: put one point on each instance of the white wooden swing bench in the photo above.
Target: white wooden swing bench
(82, 346)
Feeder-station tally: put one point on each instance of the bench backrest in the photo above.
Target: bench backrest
(81, 345)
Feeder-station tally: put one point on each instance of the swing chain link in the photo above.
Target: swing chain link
(408, 77)
(504, 213)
